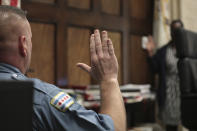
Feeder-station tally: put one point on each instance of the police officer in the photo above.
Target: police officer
(53, 109)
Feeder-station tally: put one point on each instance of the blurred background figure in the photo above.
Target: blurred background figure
(164, 62)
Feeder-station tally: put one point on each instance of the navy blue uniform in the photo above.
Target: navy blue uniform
(54, 110)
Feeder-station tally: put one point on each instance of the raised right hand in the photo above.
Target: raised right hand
(104, 65)
(150, 46)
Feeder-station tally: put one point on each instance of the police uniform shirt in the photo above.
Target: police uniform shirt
(54, 110)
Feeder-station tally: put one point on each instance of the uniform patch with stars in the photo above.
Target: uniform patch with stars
(62, 101)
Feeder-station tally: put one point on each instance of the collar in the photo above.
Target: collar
(8, 68)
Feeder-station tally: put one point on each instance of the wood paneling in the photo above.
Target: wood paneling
(141, 9)
(116, 39)
(141, 14)
(78, 51)
(130, 17)
(44, 1)
(139, 68)
(111, 6)
(80, 4)
(43, 52)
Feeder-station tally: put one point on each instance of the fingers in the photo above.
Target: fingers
(110, 47)
(104, 42)
(92, 45)
(98, 45)
(84, 67)
(99, 48)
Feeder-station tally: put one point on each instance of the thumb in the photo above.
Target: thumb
(84, 67)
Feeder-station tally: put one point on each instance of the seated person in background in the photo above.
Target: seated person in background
(164, 62)
(53, 109)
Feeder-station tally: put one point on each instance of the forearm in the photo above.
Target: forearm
(112, 103)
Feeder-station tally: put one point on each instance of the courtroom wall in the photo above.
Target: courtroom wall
(188, 14)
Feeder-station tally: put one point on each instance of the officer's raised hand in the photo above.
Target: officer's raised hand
(104, 65)
(104, 68)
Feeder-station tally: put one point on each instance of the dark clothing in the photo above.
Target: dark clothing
(54, 110)
(158, 65)
(164, 62)
(171, 128)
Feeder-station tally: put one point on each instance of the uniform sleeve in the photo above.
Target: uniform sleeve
(75, 118)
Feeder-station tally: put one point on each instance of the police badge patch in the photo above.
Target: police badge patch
(62, 101)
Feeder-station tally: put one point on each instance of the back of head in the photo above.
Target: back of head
(175, 24)
(15, 38)
(11, 21)
(9, 9)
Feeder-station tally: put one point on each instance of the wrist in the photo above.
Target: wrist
(109, 84)
(108, 81)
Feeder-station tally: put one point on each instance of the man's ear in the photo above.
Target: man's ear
(22, 46)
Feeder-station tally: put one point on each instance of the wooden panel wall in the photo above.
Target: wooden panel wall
(43, 52)
(80, 4)
(141, 13)
(140, 9)
(126, 20)
(111, 6)
(44, 1)
(78, 51)
(140, 71)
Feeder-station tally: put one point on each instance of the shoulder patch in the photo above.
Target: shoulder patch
(62, 101)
